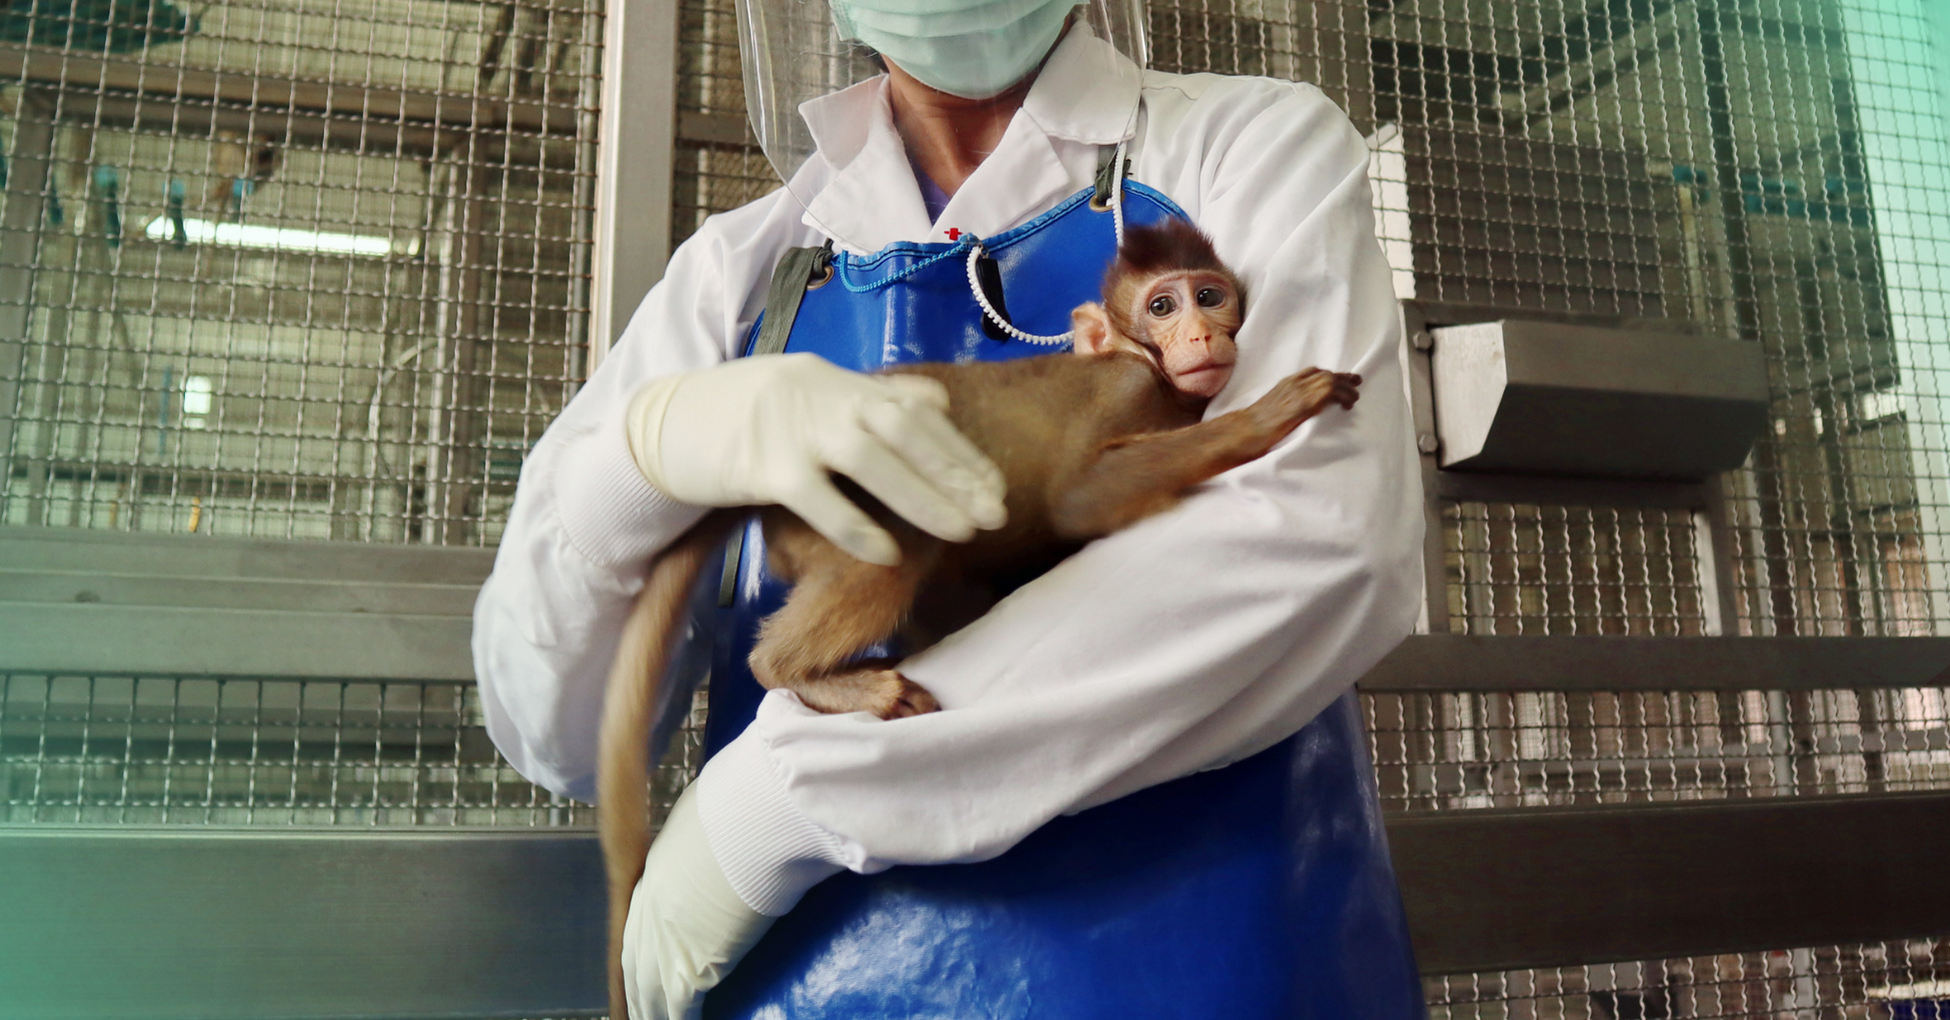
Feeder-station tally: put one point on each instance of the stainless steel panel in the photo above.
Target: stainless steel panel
(1495, 890)
(173, 925)
(73, 601)
(101, 638)
(81, 551)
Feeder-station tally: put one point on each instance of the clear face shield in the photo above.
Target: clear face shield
(799, 52)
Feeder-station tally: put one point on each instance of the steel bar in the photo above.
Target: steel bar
(1555, 490)
(634, 164)
(1454, 662)
(99, 639)
(25, 190)
(72, 550)
(1499, 890)
(1421, 398)
(79, 602)
(267, 97)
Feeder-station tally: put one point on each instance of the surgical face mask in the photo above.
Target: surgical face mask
(969, 50)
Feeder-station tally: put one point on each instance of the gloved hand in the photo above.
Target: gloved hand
(687, 927)
(768, 429)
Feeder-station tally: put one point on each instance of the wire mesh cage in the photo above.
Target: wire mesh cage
(1462, 750)
(718, 163)
(1907, 980)
(1526, 569)
(290, 269)
(1762, 171)
(253, 752)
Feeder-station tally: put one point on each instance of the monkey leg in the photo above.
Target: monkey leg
(840, 607)
(1137, 476)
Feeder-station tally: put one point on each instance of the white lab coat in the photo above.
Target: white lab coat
(1189, 641)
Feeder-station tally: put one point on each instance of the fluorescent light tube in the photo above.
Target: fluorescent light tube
(197, 392)
(243, 235)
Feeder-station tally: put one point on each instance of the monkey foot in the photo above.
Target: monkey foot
(883, 692)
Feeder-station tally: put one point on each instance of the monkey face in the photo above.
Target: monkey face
(1169, 299)
(1185, 321)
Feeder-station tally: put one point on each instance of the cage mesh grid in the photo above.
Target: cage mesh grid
(290, 268)
(1461, 750)
(256, 752)
(1524, 569)
(1714, 163)
(1909, 980)
(713, 176)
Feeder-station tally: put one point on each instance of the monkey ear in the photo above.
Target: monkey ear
(1092, 329)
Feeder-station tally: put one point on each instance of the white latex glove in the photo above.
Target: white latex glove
(768, 429)
(687, 928)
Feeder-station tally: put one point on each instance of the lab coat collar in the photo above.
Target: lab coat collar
(1087, 92)
(841, 121)
(872, 200)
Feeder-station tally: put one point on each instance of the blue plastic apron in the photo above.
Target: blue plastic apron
(1261, 890)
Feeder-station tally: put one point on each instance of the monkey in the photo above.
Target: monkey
(1088, 444)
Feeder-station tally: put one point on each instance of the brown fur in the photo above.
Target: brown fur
(1088, 444)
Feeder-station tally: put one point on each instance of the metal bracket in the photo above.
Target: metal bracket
(1421, 322)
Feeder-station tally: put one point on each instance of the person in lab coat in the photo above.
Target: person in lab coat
(1196, 639)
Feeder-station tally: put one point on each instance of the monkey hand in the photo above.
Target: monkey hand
(1301, 396)
(768, 430)
(687, 927)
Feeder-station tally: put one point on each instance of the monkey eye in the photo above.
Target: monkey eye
(1211, 297)
(1163, 305)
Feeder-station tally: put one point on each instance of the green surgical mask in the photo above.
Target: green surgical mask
(971, 50)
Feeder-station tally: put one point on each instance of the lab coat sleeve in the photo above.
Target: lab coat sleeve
(585, 521)
(1191, 640)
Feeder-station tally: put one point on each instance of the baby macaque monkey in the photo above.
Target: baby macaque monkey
(1089, 444)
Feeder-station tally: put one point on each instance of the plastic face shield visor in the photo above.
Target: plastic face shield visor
(799, 52)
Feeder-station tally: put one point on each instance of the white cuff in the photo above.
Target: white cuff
(610, 512)
(771, 853)
(643, 426)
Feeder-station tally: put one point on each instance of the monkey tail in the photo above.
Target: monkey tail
(636, 680)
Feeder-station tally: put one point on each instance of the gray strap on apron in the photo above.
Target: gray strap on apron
(798, 270)
(1106, 167)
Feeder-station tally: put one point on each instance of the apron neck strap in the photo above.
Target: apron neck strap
(1107, 173)
(799, 269)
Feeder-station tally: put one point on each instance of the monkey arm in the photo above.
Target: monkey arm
(1132, 478)
(1135, 478)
